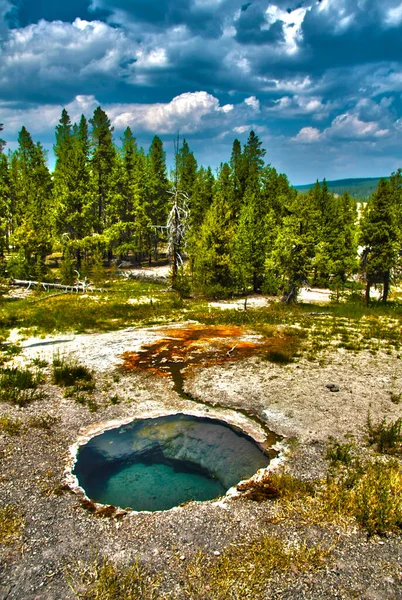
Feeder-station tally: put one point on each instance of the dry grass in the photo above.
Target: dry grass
(103, 580)
(240, 572)
(368, 493)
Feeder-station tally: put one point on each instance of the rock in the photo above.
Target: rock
(332, 387)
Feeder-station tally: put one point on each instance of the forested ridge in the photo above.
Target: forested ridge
(243, 228)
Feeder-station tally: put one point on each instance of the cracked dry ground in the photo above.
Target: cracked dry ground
(148, 370)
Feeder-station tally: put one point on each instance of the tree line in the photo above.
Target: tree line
(243, 228)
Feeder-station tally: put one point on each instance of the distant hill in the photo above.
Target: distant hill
(361, 188)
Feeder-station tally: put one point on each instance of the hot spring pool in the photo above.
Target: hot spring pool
(155, 464)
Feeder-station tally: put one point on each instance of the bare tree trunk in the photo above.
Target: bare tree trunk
(386, 287)
(367, 295)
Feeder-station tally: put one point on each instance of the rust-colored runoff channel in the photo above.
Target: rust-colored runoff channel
(197, 346)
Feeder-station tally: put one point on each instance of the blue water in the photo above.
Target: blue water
(155, 464)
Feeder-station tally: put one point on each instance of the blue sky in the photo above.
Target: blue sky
(319, 81)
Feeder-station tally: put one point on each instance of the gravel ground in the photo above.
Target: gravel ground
(292, 401)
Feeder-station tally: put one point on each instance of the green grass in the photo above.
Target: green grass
(103, 580)
(18, 386)
(100, 311)
(350, 325)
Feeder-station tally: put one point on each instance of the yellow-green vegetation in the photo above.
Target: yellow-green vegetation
(241, 571)
(11, 523)
(121, 304)
(367, 492)
(308, 329)
(103, 580)
(9, 425)
(387, 437)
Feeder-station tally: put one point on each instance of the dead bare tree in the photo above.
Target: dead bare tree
(176, 228)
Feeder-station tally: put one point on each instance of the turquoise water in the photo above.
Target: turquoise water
(155, 464)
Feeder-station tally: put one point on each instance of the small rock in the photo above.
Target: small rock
(182, 557)
(217, 553)
(332, 387)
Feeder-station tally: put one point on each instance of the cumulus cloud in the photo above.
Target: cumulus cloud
(62, 54)
(253, 102)
(307, 135)
(350, 126)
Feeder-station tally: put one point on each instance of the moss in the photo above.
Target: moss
(11, 523)
(10, 426)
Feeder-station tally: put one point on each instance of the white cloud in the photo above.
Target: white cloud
(393, 16)
(242, 128)
(62, 52)
(292, 22)
(308, 135)
(253, 102)
(186, 113)
(349, 126)
(155, 57)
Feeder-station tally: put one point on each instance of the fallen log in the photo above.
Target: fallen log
(78, 287)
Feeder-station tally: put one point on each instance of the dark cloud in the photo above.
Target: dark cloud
(199, 18)
(27, 12)
(253, 28)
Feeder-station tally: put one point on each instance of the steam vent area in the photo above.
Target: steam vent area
(193, 458)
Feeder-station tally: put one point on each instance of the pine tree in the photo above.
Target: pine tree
(102, 161)
(33, 194)
(157, 191)
(128, 223)
(186, 170)
(294, 249)
(72, 201)
(4, 199)
(380, 239)
(213, 244)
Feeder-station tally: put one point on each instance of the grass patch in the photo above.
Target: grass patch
(10, 426)
(8, 351)
(44, 421)
(103, 580)
(387, 437)
(19, 386)
(11, 524)
(81, 313)
(76, 379)
(67, 371)
(242, 571)
(275, 485)
(368, 492)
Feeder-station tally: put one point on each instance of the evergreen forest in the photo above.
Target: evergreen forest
(241, 229)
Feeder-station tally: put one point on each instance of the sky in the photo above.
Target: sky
(319, 81)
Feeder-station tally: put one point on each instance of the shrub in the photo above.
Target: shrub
(387, 437)
(67, 371)
(339, 453)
